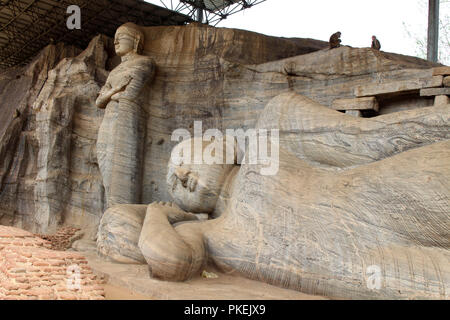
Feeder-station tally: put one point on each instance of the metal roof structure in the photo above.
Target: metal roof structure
(27, 26)
(209, 11)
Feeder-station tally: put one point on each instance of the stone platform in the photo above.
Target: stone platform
(135, 278)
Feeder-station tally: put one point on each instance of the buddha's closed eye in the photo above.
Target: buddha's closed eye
(186, 177)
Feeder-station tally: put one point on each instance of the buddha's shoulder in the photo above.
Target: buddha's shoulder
(143, 61)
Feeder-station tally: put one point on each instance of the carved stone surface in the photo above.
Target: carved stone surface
(51, 139)
(322, 230)
(119, 232)
(121, 137)
(49, 172)
(446, 81)
(368, 103)
(440, 100)
(441, 71)
(352, 194)
(67, 186)
(435, 92)
(398, 87)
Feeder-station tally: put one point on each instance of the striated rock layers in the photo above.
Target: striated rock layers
(48, 161)
(358, 208)
(49, 171)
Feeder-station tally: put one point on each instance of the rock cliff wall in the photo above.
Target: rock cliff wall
(48, 168)
(223, 77)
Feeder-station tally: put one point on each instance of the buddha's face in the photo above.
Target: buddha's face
(196, 187)
(123, 42)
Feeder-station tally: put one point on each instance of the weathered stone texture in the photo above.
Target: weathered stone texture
(50, 173)
(119, 232)
(446, 81)
(351, 192)
(351, 195)
(49, 169)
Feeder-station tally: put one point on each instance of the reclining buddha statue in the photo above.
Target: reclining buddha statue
(359, 208)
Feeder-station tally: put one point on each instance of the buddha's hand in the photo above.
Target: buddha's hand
(173, 213)
(174, 254)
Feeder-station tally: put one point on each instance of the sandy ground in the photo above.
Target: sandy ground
(125, 282)
(119, 293)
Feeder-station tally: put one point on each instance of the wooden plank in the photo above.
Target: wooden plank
(441, 71)
(367, 103)
(434, 92)
(398, 87)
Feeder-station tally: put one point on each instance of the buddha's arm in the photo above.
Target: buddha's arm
(172, 253)
(108, 91)
(104, 96)
(140, 75)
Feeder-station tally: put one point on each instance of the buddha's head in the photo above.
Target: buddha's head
(196, 187)
(128, 38)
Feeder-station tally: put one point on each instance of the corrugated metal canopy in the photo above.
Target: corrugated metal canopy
(27, 26)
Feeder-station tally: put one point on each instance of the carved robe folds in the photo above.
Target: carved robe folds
(121, 136)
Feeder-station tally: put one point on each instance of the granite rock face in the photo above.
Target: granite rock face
(225, 78)
(351, 192)
(49, 172)
(19, 146)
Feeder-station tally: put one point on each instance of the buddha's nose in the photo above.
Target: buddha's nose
(181, 173)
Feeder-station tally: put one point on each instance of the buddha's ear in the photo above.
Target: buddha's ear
(137, 40)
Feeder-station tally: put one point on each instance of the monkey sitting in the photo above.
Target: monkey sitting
(375, 43)
(335, 41)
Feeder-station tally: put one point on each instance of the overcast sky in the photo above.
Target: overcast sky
(356, 19)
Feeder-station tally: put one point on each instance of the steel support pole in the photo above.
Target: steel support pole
(200, 15)
(433, 30)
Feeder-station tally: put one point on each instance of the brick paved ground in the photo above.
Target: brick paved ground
(29, 269)
(62, 239)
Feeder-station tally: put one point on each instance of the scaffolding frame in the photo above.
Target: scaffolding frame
(27, 26)
(209, 12)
